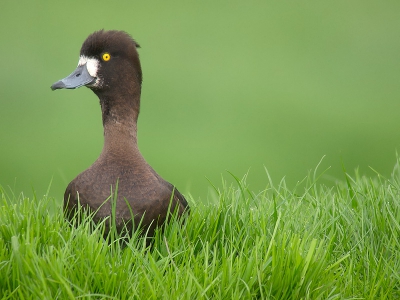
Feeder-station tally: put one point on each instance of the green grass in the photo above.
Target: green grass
(312, 243)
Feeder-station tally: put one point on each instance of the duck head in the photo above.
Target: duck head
(109, 65)
(107, 59)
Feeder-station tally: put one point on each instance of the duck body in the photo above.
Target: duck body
(109, 65)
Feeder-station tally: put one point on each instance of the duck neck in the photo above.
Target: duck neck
(120, 116)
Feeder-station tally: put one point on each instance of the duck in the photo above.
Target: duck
(109, 65)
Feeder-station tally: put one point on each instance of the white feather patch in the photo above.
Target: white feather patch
(92, 64)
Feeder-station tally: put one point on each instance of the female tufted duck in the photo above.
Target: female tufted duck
(109, 65)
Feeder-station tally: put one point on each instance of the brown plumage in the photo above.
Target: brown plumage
(116, 80)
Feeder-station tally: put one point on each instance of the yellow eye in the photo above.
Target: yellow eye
(106, 56)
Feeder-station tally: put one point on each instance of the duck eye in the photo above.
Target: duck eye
(106, 56)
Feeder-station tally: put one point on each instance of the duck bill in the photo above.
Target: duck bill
(78, 78)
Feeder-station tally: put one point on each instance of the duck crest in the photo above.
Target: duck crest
(109, 65)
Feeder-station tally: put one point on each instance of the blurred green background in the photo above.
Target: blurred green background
(233, 85)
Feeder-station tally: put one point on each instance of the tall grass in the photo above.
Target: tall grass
(303, 243)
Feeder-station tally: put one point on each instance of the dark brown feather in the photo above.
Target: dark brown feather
(141, 191)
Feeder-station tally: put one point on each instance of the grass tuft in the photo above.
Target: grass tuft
(320, 243)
